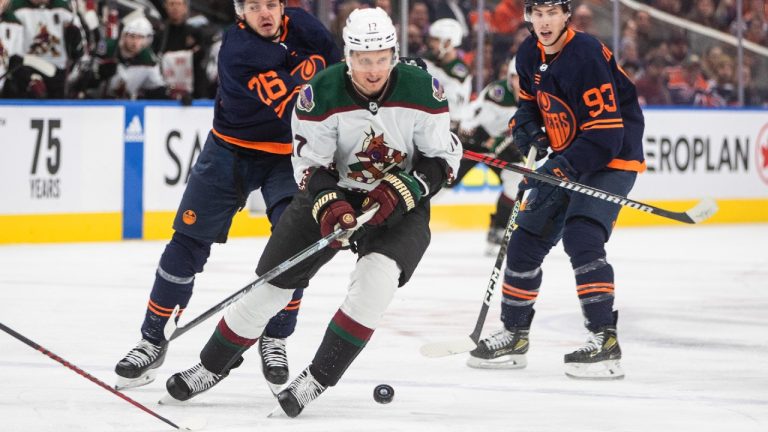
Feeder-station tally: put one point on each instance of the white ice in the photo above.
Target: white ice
(693, 327)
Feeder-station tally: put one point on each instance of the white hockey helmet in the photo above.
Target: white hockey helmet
(139, 26)
(446, 29)
(370, 30)
(240, 7)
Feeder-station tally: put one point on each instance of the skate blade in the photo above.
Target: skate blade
(275, 388)
(604, 370)
(277, 412)
(517, 361)
(129, 383)
(167, 399)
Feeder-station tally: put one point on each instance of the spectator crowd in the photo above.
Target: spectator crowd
(167, 49)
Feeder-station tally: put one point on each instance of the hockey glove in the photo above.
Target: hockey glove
(558, 166)
(530, 135)
(331, 208)
(397, 194)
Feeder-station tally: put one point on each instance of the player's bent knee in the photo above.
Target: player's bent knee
(248, 316)
(371, 290)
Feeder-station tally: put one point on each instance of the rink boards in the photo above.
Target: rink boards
(108, 171)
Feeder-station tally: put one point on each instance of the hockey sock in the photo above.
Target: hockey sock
(522, 278)
(182, 259)
(224, 349)
(504, 207)
(283, 324)
(584, 241)
(344, 339)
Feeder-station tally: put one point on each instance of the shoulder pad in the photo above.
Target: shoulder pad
(496, 92)
(459, 70)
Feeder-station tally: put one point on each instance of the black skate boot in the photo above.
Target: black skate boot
(187, 384)
(303, 390)
(504, 349)
(598, 358)
(274, 362)
(139, 366)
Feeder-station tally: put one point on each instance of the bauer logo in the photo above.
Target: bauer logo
(134, 132)
(761, 153)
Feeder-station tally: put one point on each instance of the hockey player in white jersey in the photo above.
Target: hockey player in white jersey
(443, 63)
(370, 135)
(485, 129)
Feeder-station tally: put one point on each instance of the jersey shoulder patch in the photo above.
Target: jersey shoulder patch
(459, 70)
(306, 100)
(496, 92)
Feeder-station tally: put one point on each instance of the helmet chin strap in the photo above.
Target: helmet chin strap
(562, 32)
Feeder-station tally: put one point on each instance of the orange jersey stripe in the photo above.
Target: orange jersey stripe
(628, 165)
(269, 147)
(525, 96)
(602, 124)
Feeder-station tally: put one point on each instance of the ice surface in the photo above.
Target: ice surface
(693, 327)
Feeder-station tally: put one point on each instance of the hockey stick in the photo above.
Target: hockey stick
(172, 331)
(702, 211)
(38, 63)
(192, 425)
(458, 346)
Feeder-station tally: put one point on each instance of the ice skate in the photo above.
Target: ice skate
(187, 384)
(274, 362)
(139, 366)
(495, 240)
(598, 359)
(504, 349)
(303, 390)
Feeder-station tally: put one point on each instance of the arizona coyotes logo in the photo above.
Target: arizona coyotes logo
(45, 42)
(375, 159)
(558, 120)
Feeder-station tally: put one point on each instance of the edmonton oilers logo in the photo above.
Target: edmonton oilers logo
(559, 120)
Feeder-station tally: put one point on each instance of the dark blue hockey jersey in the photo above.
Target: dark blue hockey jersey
(259, 80)
(587, 103)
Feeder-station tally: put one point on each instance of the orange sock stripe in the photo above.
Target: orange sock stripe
(160, 308)
(517, 292)
(290, 308)
(590, 291)
(161, 311)
(594, 284)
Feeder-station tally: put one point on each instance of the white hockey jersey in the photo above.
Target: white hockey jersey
(457, 82)
(44, 29)
(492, 110)
(363, 139)
(11, 43)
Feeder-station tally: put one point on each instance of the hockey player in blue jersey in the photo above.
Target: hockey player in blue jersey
(265, 57)
(571, 85)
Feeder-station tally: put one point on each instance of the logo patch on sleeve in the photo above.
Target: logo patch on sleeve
(438, 92)
(306, 100)
(496, 92)
(460, 70)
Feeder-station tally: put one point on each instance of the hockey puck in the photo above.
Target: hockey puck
(383, 393)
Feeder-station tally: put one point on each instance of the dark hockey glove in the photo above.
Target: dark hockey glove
(529, 135)
(106, 70)
(330, 209)
(414, 61)
(397, 194)
(558, 166)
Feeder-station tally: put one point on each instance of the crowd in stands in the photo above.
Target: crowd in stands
(166, 49)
